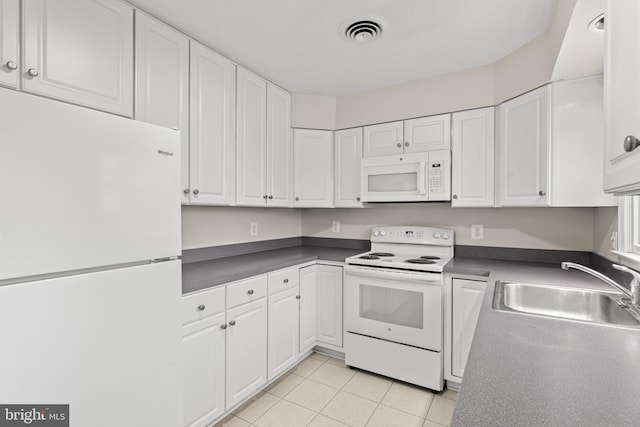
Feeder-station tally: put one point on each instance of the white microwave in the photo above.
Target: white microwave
(415, 177)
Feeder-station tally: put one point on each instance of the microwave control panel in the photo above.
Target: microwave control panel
(439, 175)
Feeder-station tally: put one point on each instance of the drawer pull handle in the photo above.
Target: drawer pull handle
(631, 143)
(201, 307)
(250, 291)
(232, 323)
(223, 326)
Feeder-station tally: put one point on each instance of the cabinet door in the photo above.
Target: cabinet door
(251, 139)
(203, 367)
(427, 133)
(80, 51)
(622, 95)
(383, 139)
(212, 146)
(472, 168)
(9, 42)
(313, 165)
(466, 302)
(348, 155)
(279, 150)
(283, 331)
(246, 350)
(329, 305)
(522, 150)
(308, 307)
(162, 83)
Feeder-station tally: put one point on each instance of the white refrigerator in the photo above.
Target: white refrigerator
(90, 280)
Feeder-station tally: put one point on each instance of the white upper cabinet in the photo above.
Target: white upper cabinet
(251, 138)
(212, 120)
(408, 136)
(383, 139)
(263, 143)
(348, 155)
(522, 150)
(427, 134)
(622, 97)
(313, 166)
(550, 146)
(9, 43)
(472, 181)
(80, 51)
(162, 83)
(279, 149)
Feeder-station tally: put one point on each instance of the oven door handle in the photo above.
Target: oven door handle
(422, 185)
(421, 277)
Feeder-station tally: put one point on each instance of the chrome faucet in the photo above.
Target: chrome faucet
(634, 294)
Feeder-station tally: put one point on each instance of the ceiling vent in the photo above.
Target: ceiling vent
(362, 30)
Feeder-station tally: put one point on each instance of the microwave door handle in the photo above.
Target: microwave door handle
(422, 186)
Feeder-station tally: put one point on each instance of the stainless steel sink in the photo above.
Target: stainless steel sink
(584, 305)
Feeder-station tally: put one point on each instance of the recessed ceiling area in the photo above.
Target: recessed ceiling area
(297, 44)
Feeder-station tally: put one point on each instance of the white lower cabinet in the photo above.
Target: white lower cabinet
(203, 357)
(308, 307)
(246, 350)
(329, 305)
(463, 306)
(283, 331)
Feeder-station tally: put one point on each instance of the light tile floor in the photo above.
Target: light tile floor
(322, 392)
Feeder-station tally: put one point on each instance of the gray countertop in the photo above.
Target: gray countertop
(534, 371)
(205, 274)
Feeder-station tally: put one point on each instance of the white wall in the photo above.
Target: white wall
(313, 111)
(538, 228)
(215, 226)
(605, 221)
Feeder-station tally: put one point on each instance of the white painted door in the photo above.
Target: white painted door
(203, 370)
(246, 350)
(427, 133)
(313, 168)
(383, 139)
(80, 51)
(622, 96)
(348, 156)
(10, 43)
(329, 296)
(251, 139)
(466, 302)
(283, 331)
(162, 84)
(308, 307)
(279, 149)
(522, 150)
(212, 146)
(472, 168)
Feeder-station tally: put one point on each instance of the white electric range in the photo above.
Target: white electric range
(393, 304)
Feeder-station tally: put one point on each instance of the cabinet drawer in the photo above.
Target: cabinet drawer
(284, 280)
(202, 305)
(246, 291)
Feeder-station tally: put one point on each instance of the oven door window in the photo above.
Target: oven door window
(393, 306)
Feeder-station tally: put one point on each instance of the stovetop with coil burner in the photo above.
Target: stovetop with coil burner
(408, 248)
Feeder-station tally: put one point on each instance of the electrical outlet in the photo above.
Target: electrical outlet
(614, 241)
(254, 228)
(477, 231)
(335, 226)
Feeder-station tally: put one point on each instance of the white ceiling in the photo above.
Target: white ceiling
(296, 43)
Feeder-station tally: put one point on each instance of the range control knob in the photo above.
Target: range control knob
(382, 232)
(376, 233)
(437, 235)
(445, 236)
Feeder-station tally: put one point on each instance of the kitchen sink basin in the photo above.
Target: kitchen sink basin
(584, 305)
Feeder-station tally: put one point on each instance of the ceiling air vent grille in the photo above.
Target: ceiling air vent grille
(363, 30)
